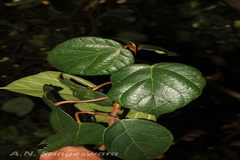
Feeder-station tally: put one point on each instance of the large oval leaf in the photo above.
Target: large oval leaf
(156, 89)
(90, 56)
(135, 139)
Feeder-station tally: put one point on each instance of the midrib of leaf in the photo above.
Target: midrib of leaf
(91, 62)
(132, 140)
(77, 134)
(59, 120)
(153, 91)
(130, 88)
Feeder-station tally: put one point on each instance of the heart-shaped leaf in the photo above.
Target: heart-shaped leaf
(135, 139)
(90, 56)
(157, 49)
(156, 89)
(77, 134)
(32, 85)
(59, 119)
(85, 93)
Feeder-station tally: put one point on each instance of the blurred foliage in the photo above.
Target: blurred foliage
(206, 34)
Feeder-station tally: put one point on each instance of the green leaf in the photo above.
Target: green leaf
(135, 139)
(10, 133)
(32, 85)
(85, 93)
(157, 49)
(78, 134)
(90, 56)
(156, 89)
(133, 114)
(59, 119)
(20, 106)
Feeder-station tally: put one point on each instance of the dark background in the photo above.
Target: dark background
(206, 35)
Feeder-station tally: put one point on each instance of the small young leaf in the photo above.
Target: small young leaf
(157, 49)
(135, 139)
(133, 114)
(85, 93)
(32, 85)
(90, 56)
(58, 118)
(156, 89)
(77, 134)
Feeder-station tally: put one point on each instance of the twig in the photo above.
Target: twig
(115, 110)
(101, 85)
(93, 113)
(84, 101)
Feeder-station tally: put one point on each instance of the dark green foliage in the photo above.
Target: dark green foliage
(148, 90)
(156, 89)
(90, 56)
(136, 139)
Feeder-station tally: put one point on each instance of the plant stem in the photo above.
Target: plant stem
(101, 85)
(132, 47)
(115, 110)
(84, 101)
(77, 117)
(93, 113)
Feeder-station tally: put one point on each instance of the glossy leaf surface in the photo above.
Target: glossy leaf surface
(59, 119)
(136, 139)
(77, 134)
(32, 85)
(90, 56)
(86, 93)
(157, 49)
(157, 89)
